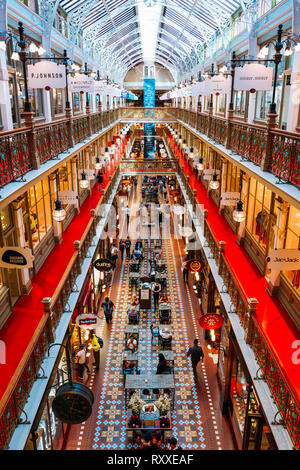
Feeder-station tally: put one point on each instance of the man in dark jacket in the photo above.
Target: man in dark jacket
(196, 354)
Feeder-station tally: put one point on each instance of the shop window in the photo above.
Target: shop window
(221, 104)
(239, 394)
(239, 103)
(32, 4)
(57, 101)
(6, 219)
(77, 102)
(232, 178)
(39, 211)
(258, 211)
(293, 241)
(264, 98)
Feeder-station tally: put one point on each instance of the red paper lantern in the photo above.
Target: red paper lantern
(47, 88)
(211, 321)
(252, 90)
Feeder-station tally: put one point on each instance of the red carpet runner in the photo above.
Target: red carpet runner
(28, 311)
(277, 327)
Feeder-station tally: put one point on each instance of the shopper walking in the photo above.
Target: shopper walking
(108, 308)
(96, 349)
(196, 354)
(127, 246)
(114, 254)
(122, 248)
(156, 288)
(185, 271)
(81, 361)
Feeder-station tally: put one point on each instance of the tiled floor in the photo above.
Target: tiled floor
(197, 421)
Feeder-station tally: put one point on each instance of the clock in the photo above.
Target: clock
(73, 403)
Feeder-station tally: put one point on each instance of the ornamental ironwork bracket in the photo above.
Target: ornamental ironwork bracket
(261, 377)
(75, 288)
(67, 308)
(20, 180)
(21, 420)
(41, 376)
(275, 422)
(224, 291)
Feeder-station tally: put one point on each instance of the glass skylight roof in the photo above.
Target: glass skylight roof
(166, 32)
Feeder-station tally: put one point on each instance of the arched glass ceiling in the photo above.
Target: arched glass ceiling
(113, 28)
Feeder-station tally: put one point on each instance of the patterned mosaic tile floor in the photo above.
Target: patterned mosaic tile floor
(196, 420)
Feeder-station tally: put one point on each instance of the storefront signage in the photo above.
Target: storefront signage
(219, 84)
(207, 174)
(15, 257)
(100, 87)
(256, 77)
(46, 74)
(90, 173)
(88, 321)
(229, 198)
(284, 259)
(68, 197)
(211, 321)
(102, 264)
(81, 82)
(195, 265)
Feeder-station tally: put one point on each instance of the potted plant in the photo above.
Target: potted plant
(136, 404)
(163, 404)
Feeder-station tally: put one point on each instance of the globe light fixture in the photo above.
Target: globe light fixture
(98, 164)
(200, 165)
(83, 183)
(239, 215)
(214, 183)
(15, 56)
(58, 214)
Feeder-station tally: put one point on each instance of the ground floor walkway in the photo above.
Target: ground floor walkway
(197, 421)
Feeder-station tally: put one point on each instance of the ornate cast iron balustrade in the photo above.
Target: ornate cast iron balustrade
(26, 148)
(289, 410)
(274, 150)
(14, 399)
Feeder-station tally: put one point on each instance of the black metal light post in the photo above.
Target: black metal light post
(68, 105)
(277, 59)
(23, 58)
(87, 103)
(233, 65)
(211, 96)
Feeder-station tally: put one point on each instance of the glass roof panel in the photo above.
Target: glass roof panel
(176, 26)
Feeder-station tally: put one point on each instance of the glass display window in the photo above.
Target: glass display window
(6, 219)
(292, 240)
(39, 211)
(239, 101)
(77, 102)
(239, 394)
(264, 98)
(57, 101)
(221, 104)
(258, 211)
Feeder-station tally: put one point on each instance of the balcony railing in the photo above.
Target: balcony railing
(274, 150)
(147, 164)
(288, 408)
(14, 399)
(28, 147)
